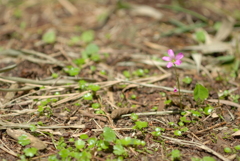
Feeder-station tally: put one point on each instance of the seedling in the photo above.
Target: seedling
(49, 37)
(133, 96)
(79, 61)
(72, 71)
(200, 93)
(87, 36)
(93, 87)
(95, 105)
(30, 152)
(178, 133)
(187, 80)
(88, 97)
(126, 74)
(227, 150)
(55, 75)
(140, 125)
(175, 155)
(134, 117)
(237, 147)
(208, 110)
(103, 72)
(23, 140)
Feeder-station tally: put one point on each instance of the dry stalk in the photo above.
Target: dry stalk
(197, 144)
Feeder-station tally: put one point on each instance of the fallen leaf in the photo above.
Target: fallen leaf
(35, 142)
(237, 133)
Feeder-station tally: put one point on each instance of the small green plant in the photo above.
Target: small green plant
(49, 37)
(227, 150)
(23, 140)
(187, 80)
(93, 87)
(72, 71)
(87, 36)
(109, 135)
(133, 96)
(140, 125)
(200, 36)
(175, 155)
(88, 97)
(200, 93)
(237, 147)
(134, 117)
(95, 105)
(157, 131)
(178, 133)
(54, 75)
(126, 74)
(33, 128)
(30, 152)
(208, 110)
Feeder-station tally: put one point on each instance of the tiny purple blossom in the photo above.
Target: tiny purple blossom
(175, 89)
(172, 59)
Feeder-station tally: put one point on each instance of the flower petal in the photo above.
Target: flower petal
(179, 56)
(178, 62)
(175, 89)
(171, 53)
(169, 65)
(166, 58)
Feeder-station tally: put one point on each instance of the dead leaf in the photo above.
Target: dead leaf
(225, 29)
(143, 10)
(121, 111)
(198, 59)
(213, 47)
(35, 142)
(237, 133)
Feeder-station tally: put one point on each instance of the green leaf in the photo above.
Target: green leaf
(175, 153)
(92, 49)
(237, 147)
(87, 36)
(79, 144)
(141, 124)
(30, 152)
(64, 153)
(109, 134)
(88, 97)
(119, 150)
(23, 140)
(227, 150)
(200, 36)
(200, 93)
(84, 136)
(33, 127)
(49, 37)
(207, 110)
(187, 80)
(177, 133)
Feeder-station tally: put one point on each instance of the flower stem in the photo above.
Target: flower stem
(178, 85)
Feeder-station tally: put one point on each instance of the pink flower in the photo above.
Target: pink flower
(175, 89)
(172, 59)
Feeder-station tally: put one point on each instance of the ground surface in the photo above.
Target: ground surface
(118, 46)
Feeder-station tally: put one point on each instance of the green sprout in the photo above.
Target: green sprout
(23, 140)
(30, 152)
(140, 125)
(49, 37)
(88, 97)
(187, 80)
